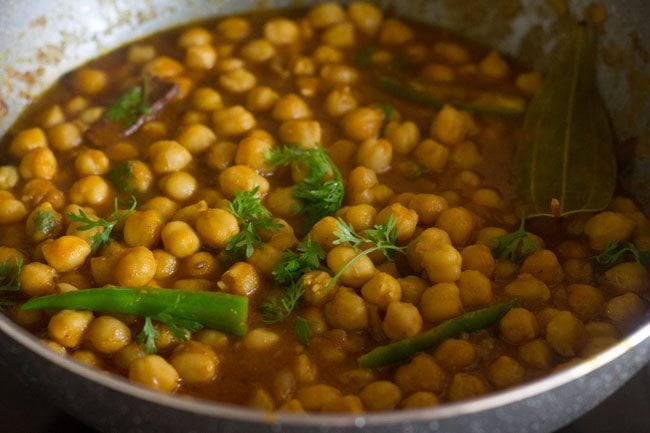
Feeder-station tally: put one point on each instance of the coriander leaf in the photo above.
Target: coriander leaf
(617, 252)
(277, 308)
(9, 273)
(514, 246)
(44, 221)
(294, 264)
(102, 238)
(321, 192)
(253, 218)
(389, 110)
(177, 325)
(129, 106)
(122, 176)
(148, 336)
(382, 238)
(303, 330)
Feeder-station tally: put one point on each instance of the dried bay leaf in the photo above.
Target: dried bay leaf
(566, 158)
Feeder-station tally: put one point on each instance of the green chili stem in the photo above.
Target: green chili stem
(404, 349)
(213, 310)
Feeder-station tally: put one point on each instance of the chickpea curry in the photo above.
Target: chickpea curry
(304, 211)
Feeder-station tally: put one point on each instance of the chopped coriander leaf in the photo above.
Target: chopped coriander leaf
(321, 192)
(382, 238)
(617, 252)
(129, 106)
(102, 238)
(277, 308)
(294, 264)
(303, 330)
(389, 110)
(44, 221)
(148, 336)
(253, 219)
(9, 273)
(122, 176)
(514, 246)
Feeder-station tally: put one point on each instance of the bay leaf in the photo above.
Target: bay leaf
(566, 157)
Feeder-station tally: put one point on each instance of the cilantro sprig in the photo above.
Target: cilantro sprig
(104, 236)
(288, 274)
(130, 105)
(617, 252)
(9, 272)
(321, 192)
(44, 221)
(382, 237)
(122, 176)
(515, 245)
(253, 219)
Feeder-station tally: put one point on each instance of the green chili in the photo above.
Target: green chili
(465, 99)
(404, 349)
(214, 310)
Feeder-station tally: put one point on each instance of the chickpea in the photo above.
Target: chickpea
(323, 232)
(625, 310)
(143, 228)
(356, 274)
(602, 329)
(405, 221)
(316, 397)
(166, 207)
(90, 81)
(265, 259)
(402, 320)
(441, 302)
(537, 353)
(376, 154)
(493, 66)
(325, 14)
(426, 242)
(281, 31)
(154, 372)
(66, 253)
(234, 29)
(216, 226)
(607, 226)
(92, 190)
(163, 67)
(347, 311)
(258, 51)
(475, 289)
(232, 121)
(129, 353)
(37, 279)
(362, 124)
(403, 136)
(464, 386)
(528, 288)
(26, 140)
(442, 263)
(241, 178)
(91, 161)
(67, 327)
(8, 177)
(166, 264)
(339, 102)
(566, 334)
(11, 211)
(290, 107)
(200, 56)
(194, 36)
(421, 374)
(478, 257)
(455, 355)
(221, 155)
(587, 302)
(381, 290)
(237, 81)
(420, 399)
(394, 32)
(412, 288)
(437, 72)
(544, 265)
(505, 372)
(305, 134)
(196, 138)
(380, 395)
(361, 217)
(39, 162)
(241, 279)
(340, 35)
(195, 362)
(367, 17)
(179, 239)
(168, 156)
(108, 335)
(449, 126)
(628, 277)
(135, 268)
(458, 222)
(451, 52)
(519, 326)
(261, 339)
(432, 155)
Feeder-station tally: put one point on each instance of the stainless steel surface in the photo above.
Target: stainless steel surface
(41, 40)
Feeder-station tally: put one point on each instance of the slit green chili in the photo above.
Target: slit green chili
(404, 349)
(214, 310)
